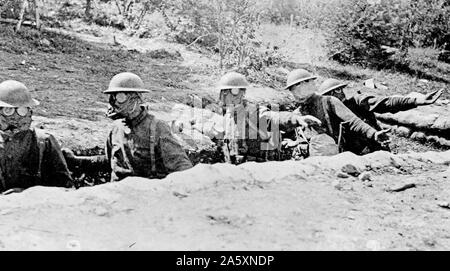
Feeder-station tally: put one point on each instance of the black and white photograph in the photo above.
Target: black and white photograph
(224, 125)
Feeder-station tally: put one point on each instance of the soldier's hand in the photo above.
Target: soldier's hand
(430, 98)
(382, 136)
(306, 121)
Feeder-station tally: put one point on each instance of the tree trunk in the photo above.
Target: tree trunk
(118, 7)
(23, 5)
(37, 14)
(166, 18)
(144, 11)
(88, 10)
(219, 24)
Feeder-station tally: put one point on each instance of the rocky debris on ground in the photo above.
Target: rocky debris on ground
(444, 204)
(342, 175)
(276, 205)
(350, 170)
(401, 187)
(365, 177)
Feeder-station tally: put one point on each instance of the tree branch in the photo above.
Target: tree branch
(202, 36)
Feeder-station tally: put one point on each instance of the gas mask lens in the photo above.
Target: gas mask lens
(22, 111)
(338, 91)
(235, 91)
(120, 97)
(9, 111)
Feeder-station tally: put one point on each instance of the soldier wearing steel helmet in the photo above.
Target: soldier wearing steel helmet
(28, 157)
(138, 144)
(333, 114)
(250, 132)
(365, 106)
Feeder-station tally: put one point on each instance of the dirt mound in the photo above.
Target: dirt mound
(424, 124)
(398, 204)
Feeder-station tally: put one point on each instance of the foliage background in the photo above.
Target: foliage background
(374, 33)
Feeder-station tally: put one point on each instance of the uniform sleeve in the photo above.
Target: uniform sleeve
(354, 123)
(391, 104)
(93, 163)
(108, 146)
(54, 167)
(285, 120)
(173, 155)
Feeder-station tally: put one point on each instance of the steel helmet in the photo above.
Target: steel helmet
(233, 80)
(126, 82)
(329, 85)
(15, 94)
(297, 76)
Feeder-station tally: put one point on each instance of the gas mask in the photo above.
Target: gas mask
(14, 120)
(123, 105)
(234, 96)
(304, 89)
(338, 93)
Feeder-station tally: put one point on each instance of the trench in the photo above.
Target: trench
(84, 177)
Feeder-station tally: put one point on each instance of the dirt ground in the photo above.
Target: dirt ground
(280, 206)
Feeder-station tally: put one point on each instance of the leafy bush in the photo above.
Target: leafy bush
(430, 22)
(379, 33)
(358, 30)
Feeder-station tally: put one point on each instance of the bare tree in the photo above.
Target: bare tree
(23, 5)
(23, 8)
(88, 10)
(37, 14)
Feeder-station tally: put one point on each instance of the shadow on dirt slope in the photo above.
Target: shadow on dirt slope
(68, 74)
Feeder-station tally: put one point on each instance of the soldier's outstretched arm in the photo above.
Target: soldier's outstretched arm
(355, 124)
(390, 104)
(288, 121)
(87, 163)
(429, 98)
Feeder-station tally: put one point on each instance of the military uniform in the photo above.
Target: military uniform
(333, 113)
(29, 158)
(365, 107)
(145, 147)
(252, 133)
(138, 144)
